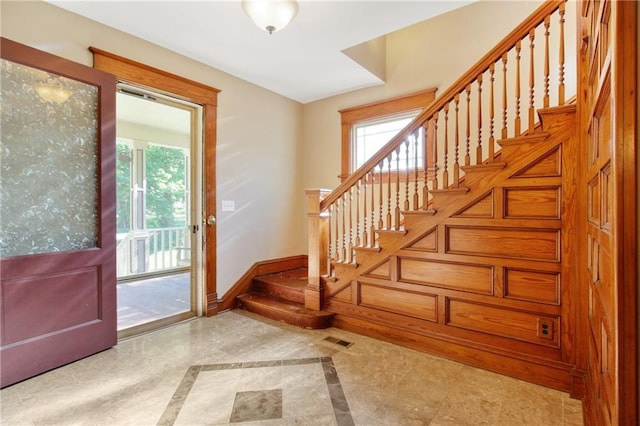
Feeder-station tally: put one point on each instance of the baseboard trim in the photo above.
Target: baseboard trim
(263, 267)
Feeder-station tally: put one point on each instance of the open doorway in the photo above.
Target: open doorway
(158, 179)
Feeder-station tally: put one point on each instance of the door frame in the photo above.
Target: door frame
(138, 74)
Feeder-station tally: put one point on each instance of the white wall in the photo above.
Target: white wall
(259, 134)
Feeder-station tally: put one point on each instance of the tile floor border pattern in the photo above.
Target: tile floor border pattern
(338, 399)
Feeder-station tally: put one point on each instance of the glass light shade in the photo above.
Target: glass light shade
(270, 15)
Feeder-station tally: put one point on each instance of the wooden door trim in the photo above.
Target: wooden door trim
(136, 73)
(624, 69)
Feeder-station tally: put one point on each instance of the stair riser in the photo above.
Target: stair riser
(295, 295)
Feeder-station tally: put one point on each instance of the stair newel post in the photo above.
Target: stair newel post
(319, 234)
(445, 170)
(479, 148)
(492, 113)
(456, 162)
(467, 157)
(504, 96)
(561, 59)
(532, 110)
(547, 23)
(517, 121)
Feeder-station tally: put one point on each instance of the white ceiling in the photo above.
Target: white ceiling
(303, 62)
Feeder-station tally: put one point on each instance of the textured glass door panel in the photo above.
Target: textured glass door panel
(48, 162)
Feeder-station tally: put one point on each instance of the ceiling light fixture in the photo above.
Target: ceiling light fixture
(270, 15)
(52, 91)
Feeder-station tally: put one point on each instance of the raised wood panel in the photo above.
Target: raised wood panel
(345, 295)
(381, 271)
(499, 321)
(534, 244)
(457, 276)
(428, 242)
(547, 166)
(482, 207)
(535, 203)
(22, 300)
(534, 286)
(417, 305)
(593, 200)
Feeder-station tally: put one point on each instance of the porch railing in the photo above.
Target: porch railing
(153, 250)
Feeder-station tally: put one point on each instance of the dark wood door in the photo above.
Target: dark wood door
(607, 103)
(57, 206)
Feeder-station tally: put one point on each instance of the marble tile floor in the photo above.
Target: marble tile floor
(241, 369)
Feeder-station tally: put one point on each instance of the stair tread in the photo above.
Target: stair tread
(283, 310)
(294, 277)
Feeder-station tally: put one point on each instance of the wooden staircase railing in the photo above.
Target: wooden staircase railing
(495, 99)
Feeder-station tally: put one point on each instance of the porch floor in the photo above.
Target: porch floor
(151, 299)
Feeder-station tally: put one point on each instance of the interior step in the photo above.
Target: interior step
(284, 310)
(287, 285)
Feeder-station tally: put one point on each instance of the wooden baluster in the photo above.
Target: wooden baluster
(479, 148)
(504, 96)
(456, 164)
(561, 59)
(338, 239)
(357, 242)
(330, 227)
(435, 181)
(492, 114)
(350, 234)
(416, 142)
(389, 223)
(396, 217)
(532, 111)
(344, 228)
(372, 240)
(407, 143)
(365, 229)
(547, 22)
(445, 169)
(518, 123)
(380, 200)
(467, 157)
(429, 161)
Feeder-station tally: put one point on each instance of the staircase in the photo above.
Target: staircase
(280, 296)
(469, 255)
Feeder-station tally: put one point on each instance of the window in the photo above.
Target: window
(367, 128)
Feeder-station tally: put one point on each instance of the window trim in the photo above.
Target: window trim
(377, 110)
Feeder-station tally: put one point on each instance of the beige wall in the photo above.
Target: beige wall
(258, 134)
(433, 53)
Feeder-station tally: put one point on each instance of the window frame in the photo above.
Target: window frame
(353, 116)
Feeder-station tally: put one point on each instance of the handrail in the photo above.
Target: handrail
(507, 43)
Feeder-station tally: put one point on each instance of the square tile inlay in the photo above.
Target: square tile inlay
(257, 405)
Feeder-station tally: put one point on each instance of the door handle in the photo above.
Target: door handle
(211, 220)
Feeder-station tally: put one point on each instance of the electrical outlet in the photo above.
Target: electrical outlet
(545, 328)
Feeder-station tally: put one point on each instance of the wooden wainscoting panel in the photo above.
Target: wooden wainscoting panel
(381, 271)
(457, 276)
(482, 207)
(526, 326)
(533, 286)
(533, 244)
(427, 242)
(549, 165)
(534, 203)
(414, 304)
